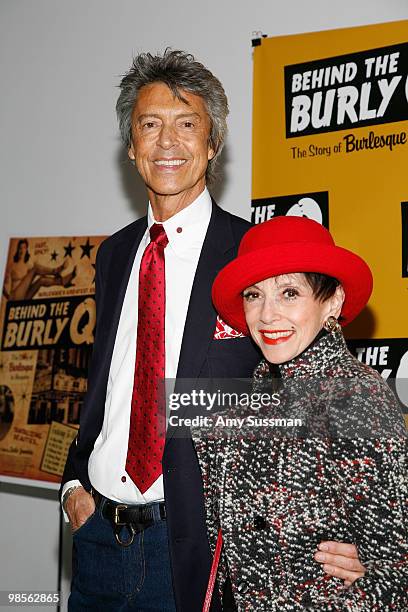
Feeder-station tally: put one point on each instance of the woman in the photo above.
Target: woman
(340, 472)
(25, 277)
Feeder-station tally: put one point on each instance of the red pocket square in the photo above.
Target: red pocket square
(225, 332)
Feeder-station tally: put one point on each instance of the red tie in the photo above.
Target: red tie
(147, 418)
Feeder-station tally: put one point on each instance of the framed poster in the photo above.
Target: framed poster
(47, 321)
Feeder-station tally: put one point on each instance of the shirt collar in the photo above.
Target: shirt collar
(187, 228)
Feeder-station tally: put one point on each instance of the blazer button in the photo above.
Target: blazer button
(259, 523)
(307, 600)
(242, 587)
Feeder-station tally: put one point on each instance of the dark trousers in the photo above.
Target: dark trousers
(108, 577)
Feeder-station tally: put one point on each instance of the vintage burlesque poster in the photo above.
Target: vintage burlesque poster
(47, 321)
(330, 142)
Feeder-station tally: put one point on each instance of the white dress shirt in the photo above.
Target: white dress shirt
(186, 231)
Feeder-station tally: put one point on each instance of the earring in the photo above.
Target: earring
(332, 325)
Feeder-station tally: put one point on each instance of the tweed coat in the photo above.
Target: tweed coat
(277, 496)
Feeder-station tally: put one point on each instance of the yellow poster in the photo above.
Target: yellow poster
(330, 141)
(47, 321)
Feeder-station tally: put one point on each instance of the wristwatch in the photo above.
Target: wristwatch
(68, 493)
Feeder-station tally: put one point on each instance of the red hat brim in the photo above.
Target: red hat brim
(347, 267)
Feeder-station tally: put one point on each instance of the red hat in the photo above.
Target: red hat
(284, 245)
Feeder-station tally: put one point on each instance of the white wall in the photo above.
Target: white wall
(63, 170)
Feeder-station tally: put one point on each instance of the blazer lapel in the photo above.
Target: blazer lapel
(201, 317)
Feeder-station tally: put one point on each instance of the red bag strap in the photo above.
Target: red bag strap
(213, 573)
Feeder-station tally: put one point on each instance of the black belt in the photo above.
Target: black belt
(135, 518)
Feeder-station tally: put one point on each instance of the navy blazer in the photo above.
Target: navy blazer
(200, 356)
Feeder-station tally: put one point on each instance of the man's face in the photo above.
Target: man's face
(170, 141)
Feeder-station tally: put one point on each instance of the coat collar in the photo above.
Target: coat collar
(201, 316)
(121, 261)
(323, 355)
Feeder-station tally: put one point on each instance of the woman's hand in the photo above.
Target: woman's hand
(340, 560)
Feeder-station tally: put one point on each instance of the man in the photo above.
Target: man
(155, 316)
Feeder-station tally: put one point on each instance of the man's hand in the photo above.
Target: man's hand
(79, 507)
(340, 560)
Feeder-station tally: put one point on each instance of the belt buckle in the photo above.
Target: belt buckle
(116, 514)
(124, 543)
(132, 527)
(118, 526)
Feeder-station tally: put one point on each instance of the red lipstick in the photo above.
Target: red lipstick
(274, 341)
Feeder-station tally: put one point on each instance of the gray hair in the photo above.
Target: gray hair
(179, 71)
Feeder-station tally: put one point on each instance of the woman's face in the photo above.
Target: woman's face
(284, 317)
(22, 250)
